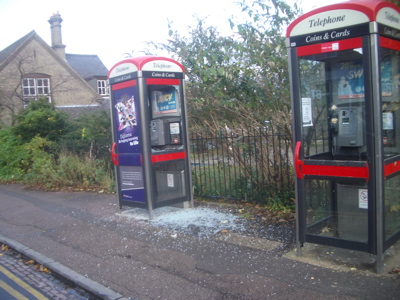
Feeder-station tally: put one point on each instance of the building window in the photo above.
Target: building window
(35, 88)
(43, 86)
(102, 87)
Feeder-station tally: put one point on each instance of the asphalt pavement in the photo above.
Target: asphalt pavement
(86, 238)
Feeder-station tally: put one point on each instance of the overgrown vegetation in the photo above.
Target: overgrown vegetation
(35, 151)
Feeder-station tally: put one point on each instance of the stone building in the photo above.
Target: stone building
(31, 69)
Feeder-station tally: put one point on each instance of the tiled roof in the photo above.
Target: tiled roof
(5, 53)
(87, 65)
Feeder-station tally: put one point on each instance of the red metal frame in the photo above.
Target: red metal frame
(310, 169)
(123, 85)
(168, 156)
(166, 81)
(330, 47)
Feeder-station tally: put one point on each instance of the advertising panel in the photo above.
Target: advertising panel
(350, 76)
(127, 135)
(350, 79)
(127, 130)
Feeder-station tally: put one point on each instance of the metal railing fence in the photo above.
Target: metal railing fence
(254, 165)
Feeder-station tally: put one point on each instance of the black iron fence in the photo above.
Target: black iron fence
(96, 149)
(251, 165)
(254, 165)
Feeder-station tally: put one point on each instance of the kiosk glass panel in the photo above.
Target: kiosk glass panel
(392, 206)
(390, 78)
(332, 105)
(319, 206)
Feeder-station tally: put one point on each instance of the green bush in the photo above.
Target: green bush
(12, 156)
(41, 119)
(82, 171)
(70, 170)
(41, 160)
(29, 153)
(40, 164)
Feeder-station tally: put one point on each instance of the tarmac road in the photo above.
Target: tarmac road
(84, 233)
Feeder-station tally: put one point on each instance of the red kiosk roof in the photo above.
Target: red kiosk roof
(369, 8)
(148, 63)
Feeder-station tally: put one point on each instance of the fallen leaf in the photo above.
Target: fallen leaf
(43, 269)
(395, 271)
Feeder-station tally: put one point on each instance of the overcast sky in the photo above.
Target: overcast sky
(112, 28)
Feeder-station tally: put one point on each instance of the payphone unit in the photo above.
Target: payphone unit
(151, 144)
(345, 66)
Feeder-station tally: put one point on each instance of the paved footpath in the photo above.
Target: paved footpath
(83, 233)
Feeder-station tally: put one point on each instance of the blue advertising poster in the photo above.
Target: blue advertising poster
(127, 135)
(350, 77)
(127, 130)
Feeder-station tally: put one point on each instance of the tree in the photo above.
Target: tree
(238, 83)
(41, 119)
(241, 80)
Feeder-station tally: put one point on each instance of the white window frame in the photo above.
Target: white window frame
(35, 88)
(102, 87)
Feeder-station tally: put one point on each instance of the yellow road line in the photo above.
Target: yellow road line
(22, 284)
(11, 291)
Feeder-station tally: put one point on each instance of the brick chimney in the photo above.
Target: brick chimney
(56, 41)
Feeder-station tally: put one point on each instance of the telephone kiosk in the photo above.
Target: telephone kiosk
(150, 137)
(345, 88)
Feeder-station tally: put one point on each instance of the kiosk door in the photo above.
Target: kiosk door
(331, 151)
